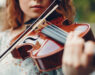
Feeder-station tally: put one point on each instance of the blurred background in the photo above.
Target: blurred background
(85, 11)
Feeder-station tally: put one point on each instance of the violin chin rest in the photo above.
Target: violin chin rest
(67, 22)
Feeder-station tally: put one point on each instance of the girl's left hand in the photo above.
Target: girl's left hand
(77, 55)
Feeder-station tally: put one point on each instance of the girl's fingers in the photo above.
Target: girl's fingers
(77, 51)
(87, 54)
(67, 50)
(89, 48)
(77, 55)
(72, 41)
(70, 36)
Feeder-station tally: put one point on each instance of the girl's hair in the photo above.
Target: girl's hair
(67, 9)
(14, 16)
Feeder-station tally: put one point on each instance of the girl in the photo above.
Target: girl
(17, 13)
(80, 64)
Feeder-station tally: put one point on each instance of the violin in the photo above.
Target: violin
(48, 54)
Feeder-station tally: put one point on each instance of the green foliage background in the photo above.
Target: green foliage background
(85, 10)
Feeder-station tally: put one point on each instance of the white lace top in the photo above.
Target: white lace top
(12, 66)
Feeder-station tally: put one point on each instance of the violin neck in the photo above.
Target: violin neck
(55, 33)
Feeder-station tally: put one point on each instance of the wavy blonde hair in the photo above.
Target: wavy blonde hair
(14, 16)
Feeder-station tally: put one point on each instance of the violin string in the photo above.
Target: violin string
(54, 34)
(59, 30)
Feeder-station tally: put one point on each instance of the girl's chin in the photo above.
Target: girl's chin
(35, 15)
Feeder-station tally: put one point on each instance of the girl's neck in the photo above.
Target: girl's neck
(28, 20)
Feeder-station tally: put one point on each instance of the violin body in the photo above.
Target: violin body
(50, 54)
(20, 53)
(47, 52)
